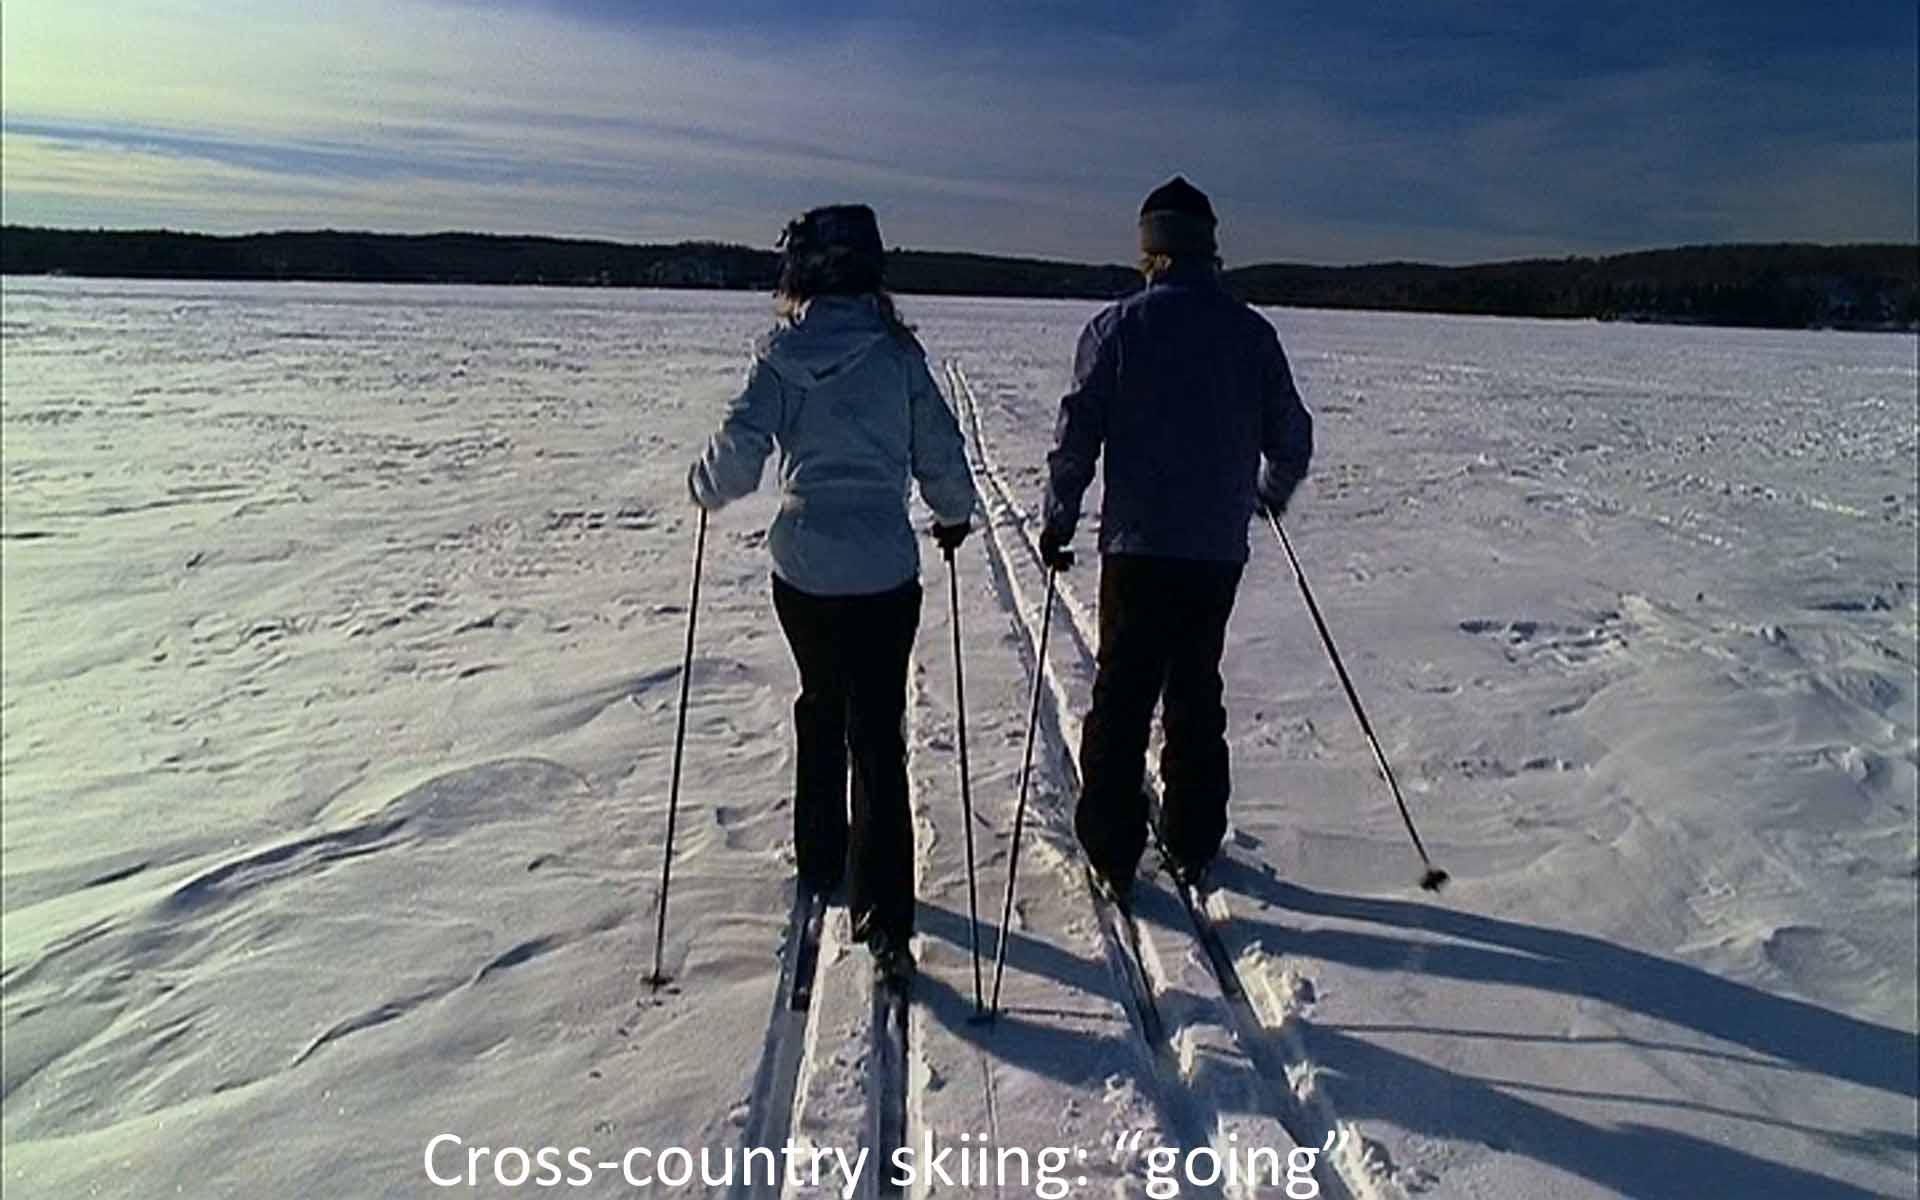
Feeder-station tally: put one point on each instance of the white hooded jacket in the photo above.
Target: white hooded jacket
(854, 412)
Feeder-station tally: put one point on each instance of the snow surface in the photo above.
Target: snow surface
(342, 637)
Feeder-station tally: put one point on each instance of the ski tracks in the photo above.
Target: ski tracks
(1059, 1067)
(1058, 1070)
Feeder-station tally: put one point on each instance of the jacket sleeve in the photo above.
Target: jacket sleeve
(730, 468)
(1286, 431)
(939, 452)
(1081, 428)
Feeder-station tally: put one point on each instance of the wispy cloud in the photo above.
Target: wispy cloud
(1027, 128)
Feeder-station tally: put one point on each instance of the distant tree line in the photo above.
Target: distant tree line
(379, 258)
(1785, 285)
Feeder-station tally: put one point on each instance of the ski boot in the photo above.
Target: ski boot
(1189, 872)
(893, 961)
(1112, 887)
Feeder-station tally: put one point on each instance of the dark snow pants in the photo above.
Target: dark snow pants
(852, 653)
(1163, 626)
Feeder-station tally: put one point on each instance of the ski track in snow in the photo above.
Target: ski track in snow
(1052, 1038)
(1038, 922)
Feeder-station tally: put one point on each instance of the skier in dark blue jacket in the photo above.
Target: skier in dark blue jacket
(1188, 393)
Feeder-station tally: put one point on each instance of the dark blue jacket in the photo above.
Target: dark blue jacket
(1188, 391)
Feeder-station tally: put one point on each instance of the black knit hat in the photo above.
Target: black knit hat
(1177, 220)
(832, 249)
(1177, 195)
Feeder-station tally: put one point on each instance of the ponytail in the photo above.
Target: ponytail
(896, 325)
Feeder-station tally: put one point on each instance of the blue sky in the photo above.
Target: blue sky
(1448, 131)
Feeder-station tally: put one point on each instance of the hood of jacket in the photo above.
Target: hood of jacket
(832, 334)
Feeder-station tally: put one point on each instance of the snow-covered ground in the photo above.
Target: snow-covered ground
(342, 636)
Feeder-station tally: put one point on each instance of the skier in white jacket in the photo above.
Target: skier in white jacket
(841, 388)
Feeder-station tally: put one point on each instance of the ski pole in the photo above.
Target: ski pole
(1020, 807)
(966, 788)
(656, 979)
(1434, 876)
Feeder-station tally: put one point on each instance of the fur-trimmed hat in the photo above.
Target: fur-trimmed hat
(1177, 220)
(850, 227)
(832, 249)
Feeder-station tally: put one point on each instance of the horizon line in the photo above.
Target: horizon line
(600, 241)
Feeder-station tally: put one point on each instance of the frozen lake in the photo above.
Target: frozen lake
(342, 631)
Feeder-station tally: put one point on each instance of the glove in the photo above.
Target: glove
(1053, 550)
(950, 536)
(1272, 494)
(693, 489)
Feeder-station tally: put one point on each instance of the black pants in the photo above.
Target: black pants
(852, 654)
(1163, 626)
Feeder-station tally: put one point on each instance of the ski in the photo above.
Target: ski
(1124, 959)
(1272, 1060)
(887, 1067)
(770, 1116)
(1193, 898)
(806, 956)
